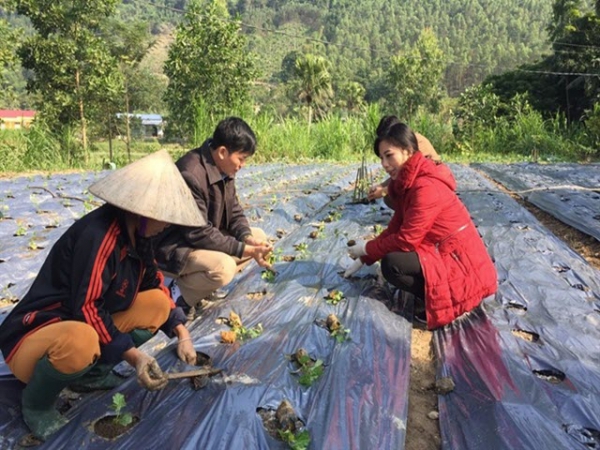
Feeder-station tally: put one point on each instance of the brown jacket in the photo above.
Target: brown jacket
(426, 148)
(215, 195)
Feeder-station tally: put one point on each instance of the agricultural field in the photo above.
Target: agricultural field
(338, 362)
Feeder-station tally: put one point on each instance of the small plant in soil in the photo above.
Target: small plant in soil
(283, 424)
(336, 329)
(21, 229)
(334, 297)
(296, 441)
(378, 229)
(268, 275)
(113, 426)
(118, 404)
(32, 244)
(333, 216)
(238, 330)
(302, 249)
(308, 368)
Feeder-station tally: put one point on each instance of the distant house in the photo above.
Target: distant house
(151, 124)
(15, 119)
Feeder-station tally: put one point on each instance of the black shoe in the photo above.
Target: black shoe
(219, 294)
(421, 317)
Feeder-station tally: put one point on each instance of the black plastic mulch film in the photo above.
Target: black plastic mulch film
(526, 366)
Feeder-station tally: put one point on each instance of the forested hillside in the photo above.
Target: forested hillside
(477, 37)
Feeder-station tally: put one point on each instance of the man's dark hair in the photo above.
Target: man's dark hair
(235, 135)
(400, 135)
(385, 123)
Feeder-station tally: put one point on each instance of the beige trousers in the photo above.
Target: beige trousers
(71, 346)
(205, 271)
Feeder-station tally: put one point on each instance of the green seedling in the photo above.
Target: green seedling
(21, 229)
(118, 403)
(296, 441)
(334, 297)
(341, 334)
(274, 256)
(309, 370)
(378, 229)
(268, 275)
(238, 331)
(244, 333)
(32, 244)
(333, 216)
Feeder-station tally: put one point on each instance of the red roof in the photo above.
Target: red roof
(16, 113)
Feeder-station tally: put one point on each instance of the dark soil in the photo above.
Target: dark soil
(107, 428)
(281, 419)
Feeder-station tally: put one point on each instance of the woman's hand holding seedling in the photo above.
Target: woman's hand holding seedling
(376, 191)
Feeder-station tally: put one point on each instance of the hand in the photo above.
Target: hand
(354, 267)
(260, 253)
(149, 373)
(186, 351)
(357, 250)
(376, 191)
(251, 240)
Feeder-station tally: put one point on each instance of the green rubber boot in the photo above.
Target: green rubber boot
(39, 396)
(140, 336)
(99, 378)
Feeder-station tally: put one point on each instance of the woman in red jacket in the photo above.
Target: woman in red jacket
(431, 247)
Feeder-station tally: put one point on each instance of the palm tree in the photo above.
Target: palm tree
(314, 80)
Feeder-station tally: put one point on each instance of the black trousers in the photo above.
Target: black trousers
(403, 270)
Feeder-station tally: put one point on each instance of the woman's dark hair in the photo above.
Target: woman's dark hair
(398, 134)
(235, 135)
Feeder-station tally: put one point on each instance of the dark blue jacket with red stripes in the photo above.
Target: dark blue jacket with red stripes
(92, 272)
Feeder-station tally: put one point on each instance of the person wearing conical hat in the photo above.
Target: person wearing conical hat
(99, 293)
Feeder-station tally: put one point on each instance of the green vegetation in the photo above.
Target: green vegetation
(341, 334)
(309, 370)
(268, 275)
(325, 77)
(334, 297)
(118, 404)
(244, 333)
(296, 441)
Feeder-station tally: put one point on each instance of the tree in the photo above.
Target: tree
(415, 76)
(209, 70)
(564, 14)
(128, 44)
(72, 69)
(312, 81)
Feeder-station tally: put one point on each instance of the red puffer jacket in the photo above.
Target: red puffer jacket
(432, 221)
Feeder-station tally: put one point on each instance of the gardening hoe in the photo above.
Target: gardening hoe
(194, 373)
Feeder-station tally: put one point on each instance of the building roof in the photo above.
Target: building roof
(16, 113)
(147, 119)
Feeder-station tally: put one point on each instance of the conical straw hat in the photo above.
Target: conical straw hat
(151, 187)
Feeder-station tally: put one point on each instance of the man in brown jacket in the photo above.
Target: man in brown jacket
(203, 259)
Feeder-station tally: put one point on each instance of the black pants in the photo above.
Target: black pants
(403, 270)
